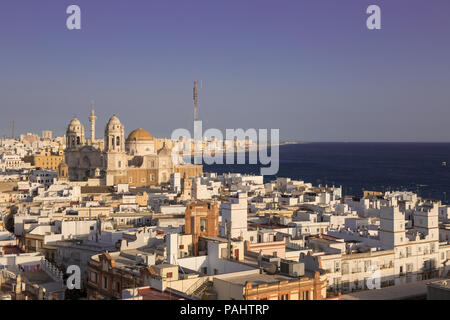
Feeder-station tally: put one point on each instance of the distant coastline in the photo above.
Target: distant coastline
(420, 167)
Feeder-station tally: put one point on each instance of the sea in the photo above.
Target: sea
(423, 168)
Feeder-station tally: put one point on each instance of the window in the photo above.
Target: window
(202, 225)
(169, 275)
(345, 268)
(105, 282)
(181, 246)
(305, 295)
(337, 267)
(284, 297)
(409, 267)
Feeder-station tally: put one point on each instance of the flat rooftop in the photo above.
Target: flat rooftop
(413, 290)
(164, 265)
(152, 294)
(38, 277)
(257, 279)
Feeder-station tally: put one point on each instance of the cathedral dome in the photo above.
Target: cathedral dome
(140, 135)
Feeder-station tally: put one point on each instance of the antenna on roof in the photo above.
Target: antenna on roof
(195, 96)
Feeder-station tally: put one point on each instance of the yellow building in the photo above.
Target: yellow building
(46, 159)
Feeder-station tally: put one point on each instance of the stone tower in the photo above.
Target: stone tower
(116, 158)
(392, 225)
(63, 172)
(426, 221)
(75, 135)
(92, 119)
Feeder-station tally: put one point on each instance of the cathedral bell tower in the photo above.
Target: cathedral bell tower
(114, 136)
(75, 135)
(116, 158)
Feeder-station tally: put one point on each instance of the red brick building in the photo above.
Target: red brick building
(201, 219)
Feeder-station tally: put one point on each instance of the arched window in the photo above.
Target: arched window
(78, 141)
(112, 142)
(118, 141)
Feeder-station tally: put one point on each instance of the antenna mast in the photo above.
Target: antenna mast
(195, 101)
(13, 133)
(228, 233)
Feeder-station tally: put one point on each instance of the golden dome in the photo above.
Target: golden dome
(140, 135)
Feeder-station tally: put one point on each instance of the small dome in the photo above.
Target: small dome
(75, 126)
(114, 121)
(75, 122)
(140, 135)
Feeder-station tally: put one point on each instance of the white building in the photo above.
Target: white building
(234, 212)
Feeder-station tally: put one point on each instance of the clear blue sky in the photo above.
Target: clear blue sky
(310, 68)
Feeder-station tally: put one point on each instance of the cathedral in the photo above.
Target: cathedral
(136, 160)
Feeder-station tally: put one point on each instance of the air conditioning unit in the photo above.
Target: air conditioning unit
(292, 268)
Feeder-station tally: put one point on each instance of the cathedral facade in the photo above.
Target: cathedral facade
(134, 160)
